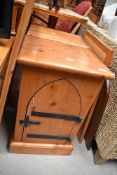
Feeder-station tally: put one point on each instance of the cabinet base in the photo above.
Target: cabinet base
(38, 148)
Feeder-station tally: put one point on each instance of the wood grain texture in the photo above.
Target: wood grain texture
(3, 72)
(57, 98)
(86, 86)
(51, 54)
(62, 13)
(105, 55)
(97, 114)
(15, 50)
(65, 4)
(56, 35)
(46, 59)
(14, 18)
(5, 48)
(34, 148)
(103, 51)
(86, 122)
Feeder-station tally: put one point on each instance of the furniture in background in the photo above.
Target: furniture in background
(68, 25)
(40, 8)
(75, 29)
(97, 10)
(106, 135)
(5, 18)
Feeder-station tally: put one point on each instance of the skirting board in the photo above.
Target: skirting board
(38, 148)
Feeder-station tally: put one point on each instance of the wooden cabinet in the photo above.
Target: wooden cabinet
(94, 17)
(61, 78)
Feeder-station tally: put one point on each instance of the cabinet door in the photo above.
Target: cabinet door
(53, 110)
(49, 97)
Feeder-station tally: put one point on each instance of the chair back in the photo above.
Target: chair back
(77, 26)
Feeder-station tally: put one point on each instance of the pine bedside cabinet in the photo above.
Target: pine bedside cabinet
(61, 77)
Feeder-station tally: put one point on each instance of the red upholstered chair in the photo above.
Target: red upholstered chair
(81, 9)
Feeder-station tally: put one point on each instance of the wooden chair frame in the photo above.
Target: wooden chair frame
(27, 11)
(74, 30)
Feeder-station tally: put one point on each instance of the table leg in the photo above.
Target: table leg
(52, 21)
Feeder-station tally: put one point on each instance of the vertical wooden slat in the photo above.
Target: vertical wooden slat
(27, 11)
(97, 114)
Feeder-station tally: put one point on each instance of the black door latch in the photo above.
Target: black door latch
(27, 122)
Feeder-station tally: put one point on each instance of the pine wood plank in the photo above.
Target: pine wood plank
(38, 148)
(86, 122)
(16, 47)
(5, 48)
(103, 51)
(56, 35)
(97, 114)
(105, 54)
(86, 86)
(50, 54)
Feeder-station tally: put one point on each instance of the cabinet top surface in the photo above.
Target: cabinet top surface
(56, 50)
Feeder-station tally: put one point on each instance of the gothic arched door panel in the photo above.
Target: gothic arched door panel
(53, 110)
